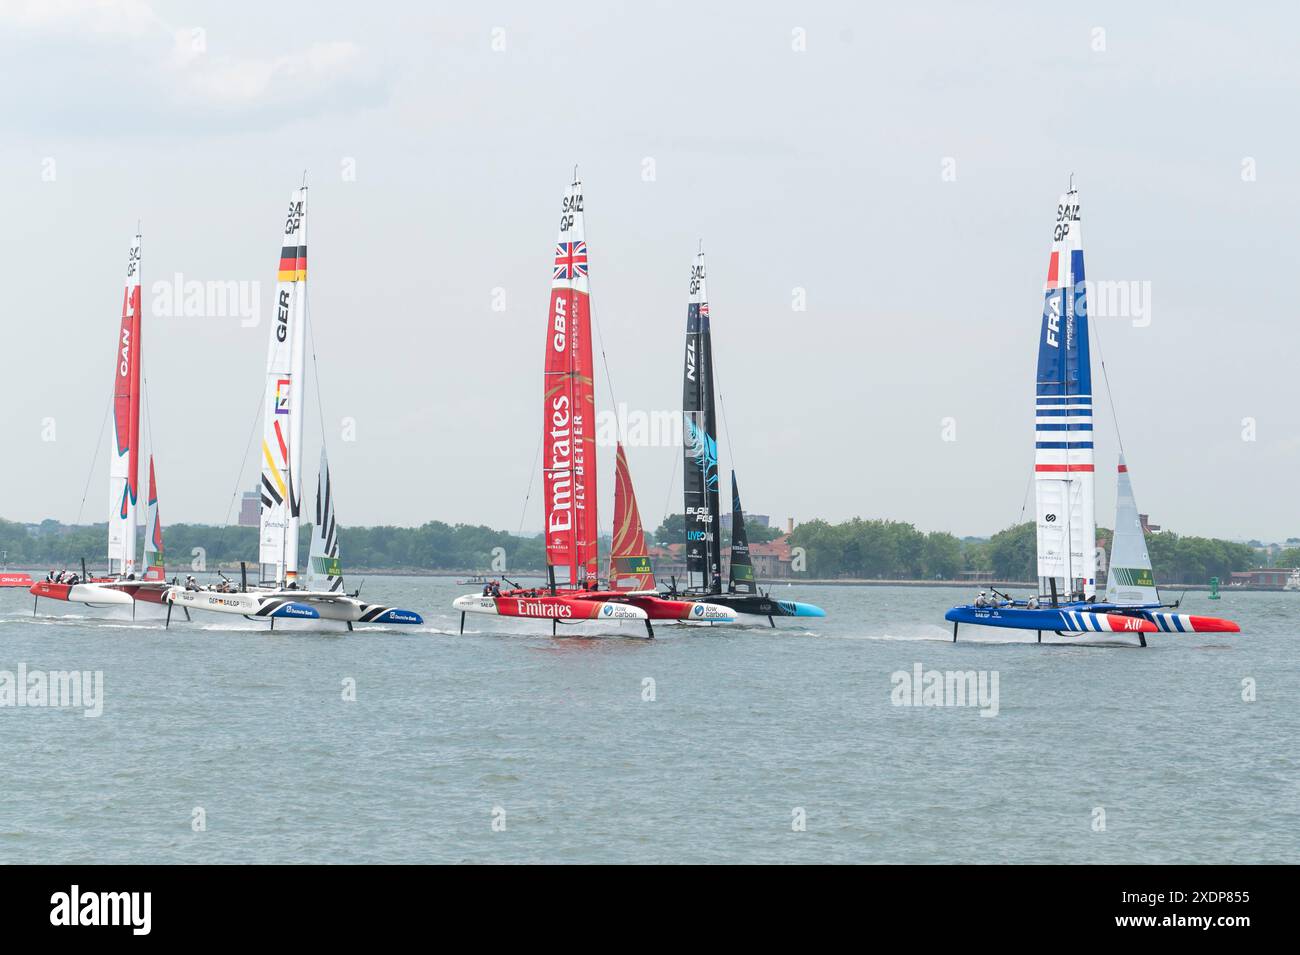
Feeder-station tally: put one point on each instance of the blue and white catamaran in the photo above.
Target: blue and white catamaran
(1064, 469)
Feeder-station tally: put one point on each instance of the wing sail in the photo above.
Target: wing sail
(1063, 440)
(700, 443)
(281, 454)
(124, 469)
(569, 406)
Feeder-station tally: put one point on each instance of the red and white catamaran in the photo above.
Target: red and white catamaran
(574, 592)
(126, 581)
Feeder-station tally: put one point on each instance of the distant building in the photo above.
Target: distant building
(250, 509)
(772, 559)
(762, 520)
(1147, 526)
(669, 561)
(1262, 579)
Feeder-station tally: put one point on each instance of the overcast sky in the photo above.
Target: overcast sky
(901, 166)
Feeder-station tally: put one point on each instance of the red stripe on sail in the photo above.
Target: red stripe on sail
(1053, 270)
(1062, 467)
(284, 450)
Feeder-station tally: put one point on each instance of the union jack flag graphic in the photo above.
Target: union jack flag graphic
(570, 260)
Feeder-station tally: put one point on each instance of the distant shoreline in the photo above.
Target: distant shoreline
(773, 585)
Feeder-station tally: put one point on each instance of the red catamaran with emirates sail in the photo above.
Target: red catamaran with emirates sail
(574, 591)
(126, 581)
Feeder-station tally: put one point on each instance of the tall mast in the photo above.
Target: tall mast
(1063, 425)
(124, 468)
(569, 405)
(281, 484)
(700, 443)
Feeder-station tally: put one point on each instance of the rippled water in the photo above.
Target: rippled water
(748, 725)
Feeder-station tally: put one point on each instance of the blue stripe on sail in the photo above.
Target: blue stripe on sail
(1061, 445)
(1062, 427)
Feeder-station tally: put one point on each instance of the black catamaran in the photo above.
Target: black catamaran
(700, 482)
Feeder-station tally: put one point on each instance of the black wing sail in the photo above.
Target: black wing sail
(742, 569)
(700, 444)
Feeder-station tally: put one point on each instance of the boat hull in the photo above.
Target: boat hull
(92, 594)
(292, 605)
(1062, 619)
(763, 606)
(547, 607)
(149, 592)
(16, 580)
(1189, 623)
(1091, 618)
(669, 608)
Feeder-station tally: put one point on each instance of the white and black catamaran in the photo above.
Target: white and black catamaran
(700, 483)
(1067, 601)
(280, 594)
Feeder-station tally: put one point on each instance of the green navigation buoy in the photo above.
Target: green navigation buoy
(1214, 588)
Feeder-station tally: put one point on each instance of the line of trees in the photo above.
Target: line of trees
(876, 549)
(432, 546)
(892, 549)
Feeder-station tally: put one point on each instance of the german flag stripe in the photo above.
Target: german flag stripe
(293, 263)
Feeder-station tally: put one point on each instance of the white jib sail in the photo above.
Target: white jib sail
(324, 571)
(282, 410)
(1129, 580)
(1063, 430)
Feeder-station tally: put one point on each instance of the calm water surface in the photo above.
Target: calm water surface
(748, 724)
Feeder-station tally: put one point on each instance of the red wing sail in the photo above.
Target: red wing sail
(569, 407)
(629, 563)
(124, 484)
